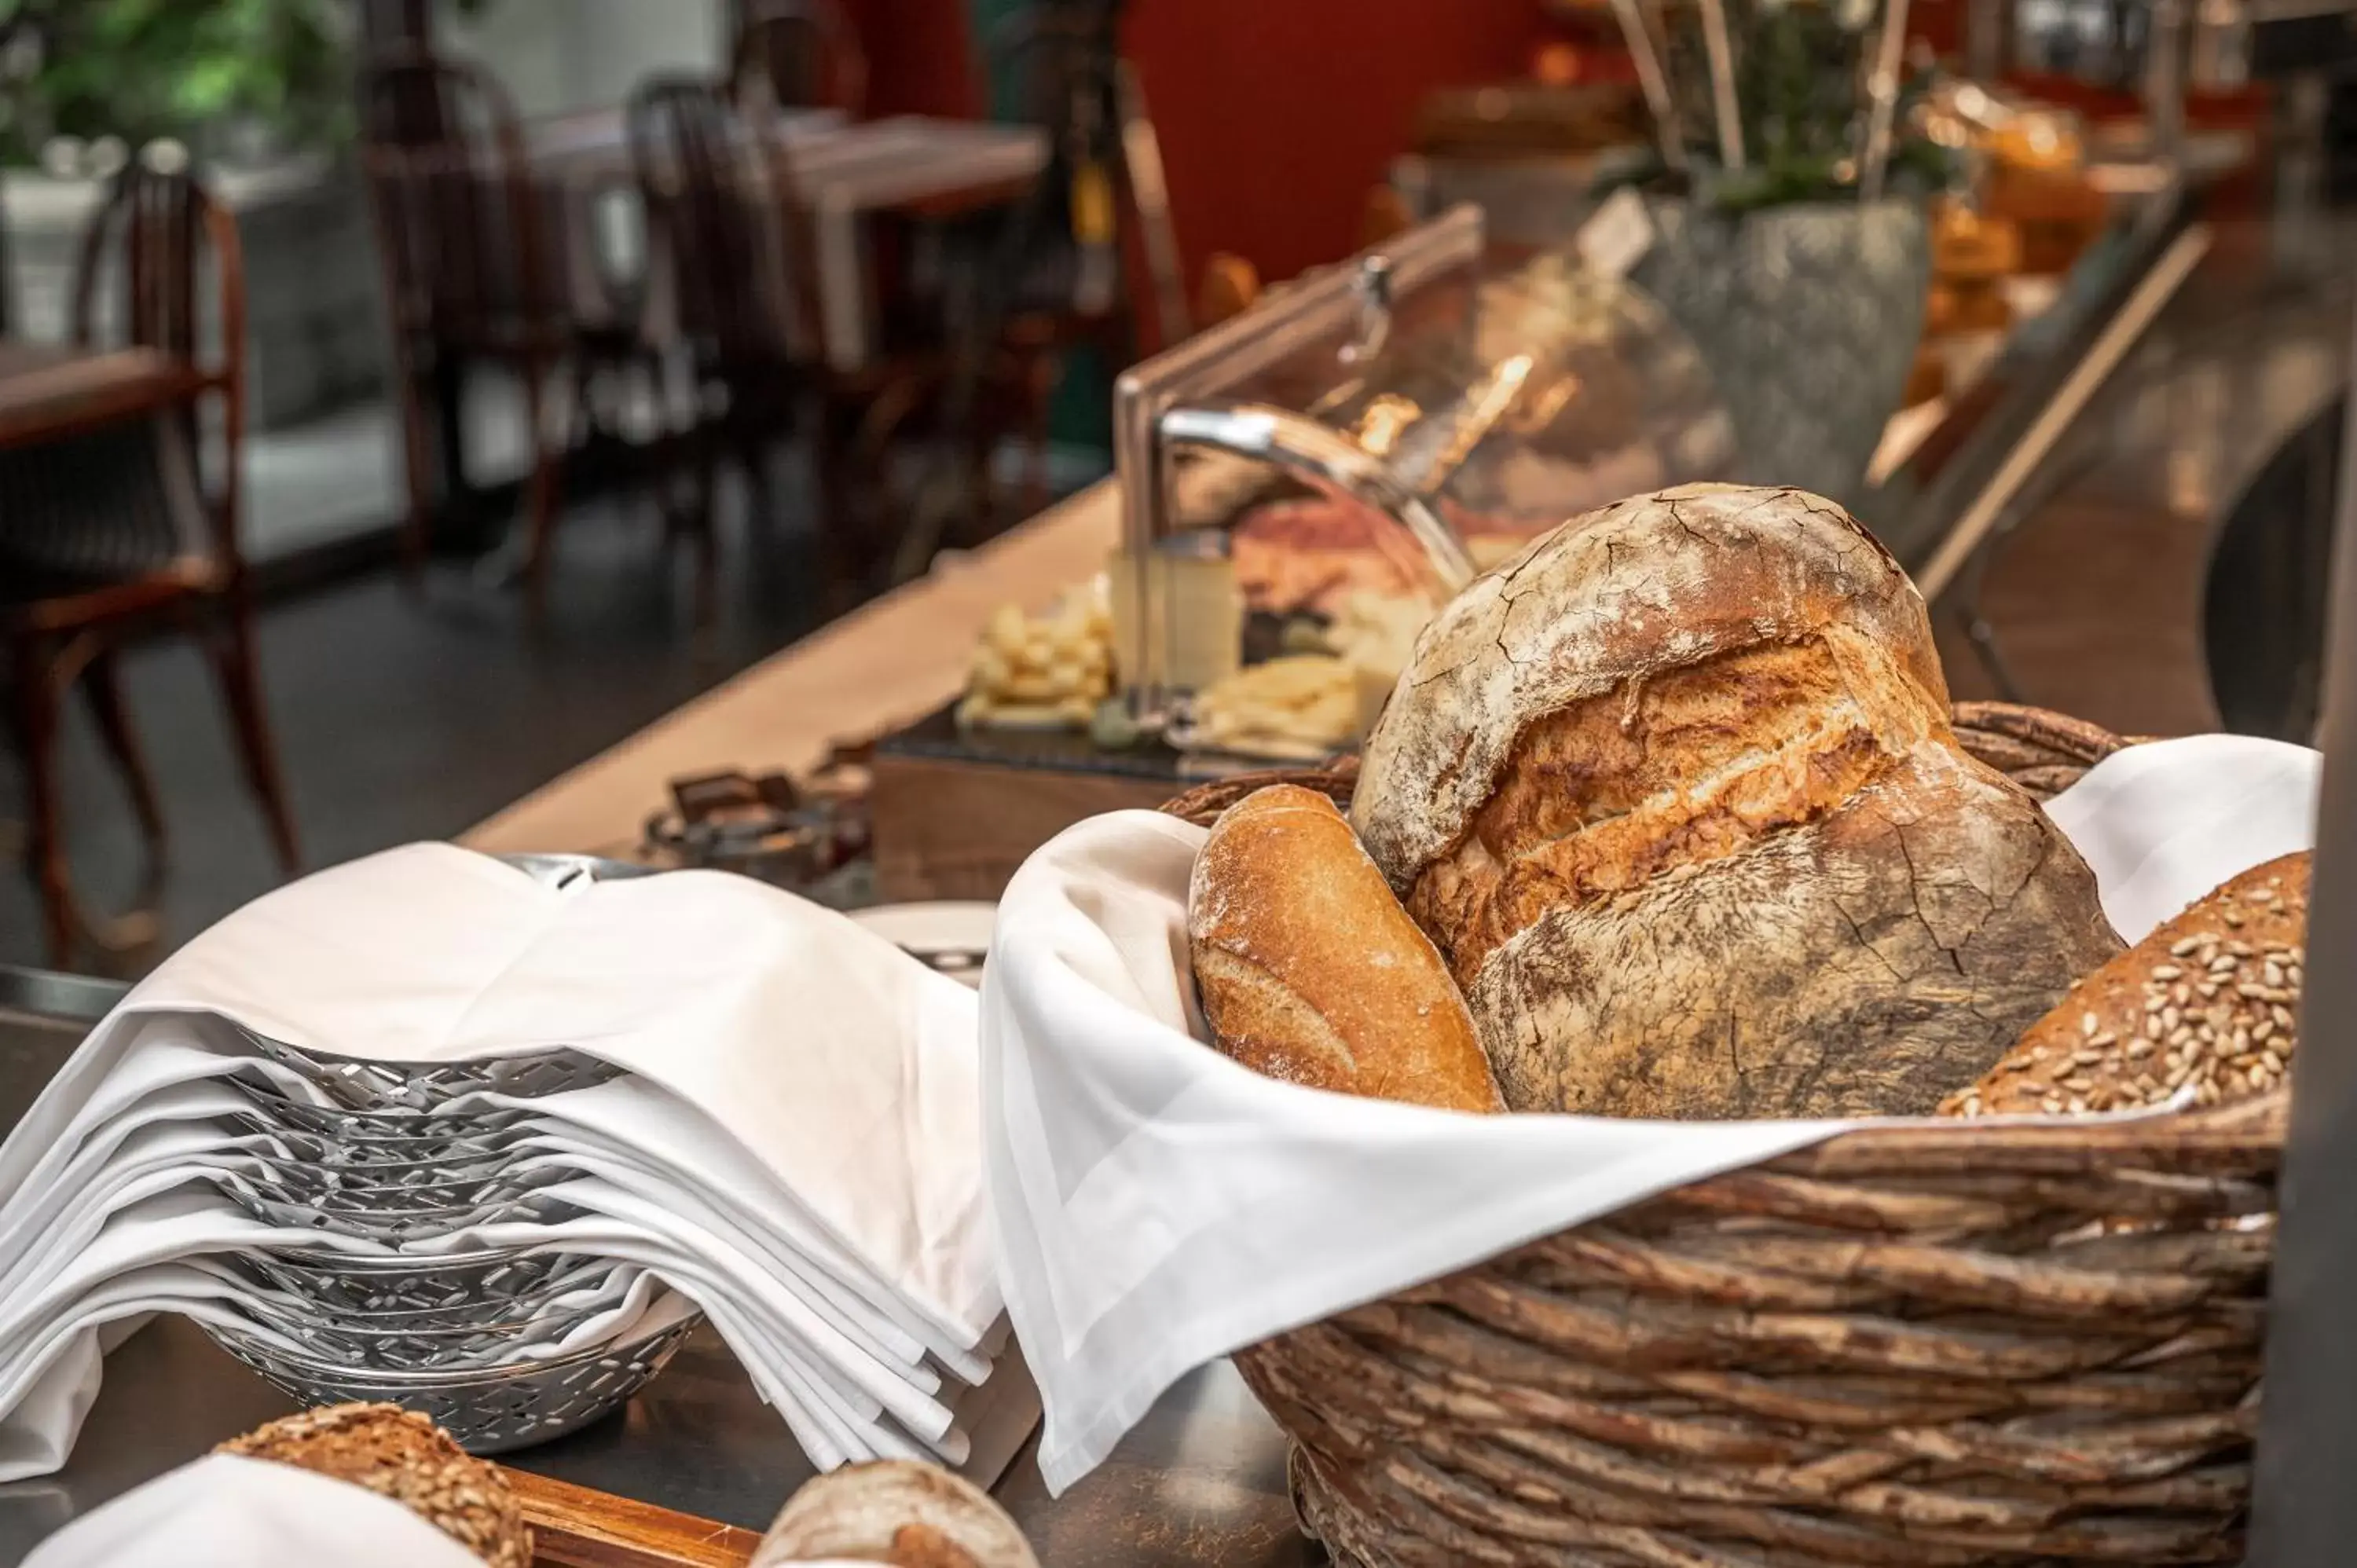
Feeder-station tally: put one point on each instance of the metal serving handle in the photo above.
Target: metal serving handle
(1322, 458)
(1177, 399)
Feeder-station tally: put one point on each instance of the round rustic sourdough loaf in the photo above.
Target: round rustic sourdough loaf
(1674, 791)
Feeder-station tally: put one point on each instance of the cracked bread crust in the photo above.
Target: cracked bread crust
(1869, 963)
(1604, 795)
(1676, 796)
(1632, 591)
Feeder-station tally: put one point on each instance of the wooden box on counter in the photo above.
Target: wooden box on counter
(953, 812)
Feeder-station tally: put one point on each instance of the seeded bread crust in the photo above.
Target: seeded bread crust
(401, 1455)
(2205, 1008)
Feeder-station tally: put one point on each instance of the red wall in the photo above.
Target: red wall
(1276, 116)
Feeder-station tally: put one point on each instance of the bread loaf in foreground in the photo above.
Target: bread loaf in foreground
(1675, 793)
(2209, 1003)
(401, 1455)
(1310, 971)
(898, 1512)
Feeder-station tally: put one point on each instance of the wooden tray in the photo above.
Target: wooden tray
(574, 1527)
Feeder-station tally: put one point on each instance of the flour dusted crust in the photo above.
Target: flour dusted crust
(1652, 583)
(1868, 963)
(1675, 794)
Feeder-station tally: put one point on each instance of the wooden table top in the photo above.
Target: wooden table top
(907, 163)
(884, 665)
(50, 390)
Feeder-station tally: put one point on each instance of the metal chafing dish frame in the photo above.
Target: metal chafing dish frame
(1179, 400)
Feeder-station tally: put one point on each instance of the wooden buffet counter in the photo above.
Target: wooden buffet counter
(887, 664)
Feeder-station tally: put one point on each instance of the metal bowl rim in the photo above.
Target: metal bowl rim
(487, 1377)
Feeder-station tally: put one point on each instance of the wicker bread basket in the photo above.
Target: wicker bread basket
(1941, 1344)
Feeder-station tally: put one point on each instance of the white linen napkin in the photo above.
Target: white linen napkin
(1158, 1206)
(838, 1061)
(632, 1119)
(145, 1183)
(2157, 820)
(224, 1511)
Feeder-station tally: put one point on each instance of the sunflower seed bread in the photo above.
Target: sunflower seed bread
(400, 1454)
(2204, 1009)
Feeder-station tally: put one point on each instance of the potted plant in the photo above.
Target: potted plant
(259, 93)
(240, 81)
(1788, 199)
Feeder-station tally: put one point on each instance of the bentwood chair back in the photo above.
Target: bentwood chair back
(721, 218)
(155, 244)
(718, 203)
(451, 183)
(115, 527)
(469, 270)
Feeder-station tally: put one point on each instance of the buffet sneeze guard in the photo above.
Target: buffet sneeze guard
(1332, 321)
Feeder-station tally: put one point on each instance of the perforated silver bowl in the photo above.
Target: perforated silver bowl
(425, 1318)
(384, 1151)
(363, 1217)
(455, 1290)
(487, 1412)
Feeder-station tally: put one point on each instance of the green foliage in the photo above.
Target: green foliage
(1800, 71)
(186, 69)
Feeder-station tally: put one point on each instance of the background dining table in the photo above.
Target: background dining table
(844, 174)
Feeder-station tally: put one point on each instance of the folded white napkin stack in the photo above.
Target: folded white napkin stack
(792, 1144)
(1158, 1206)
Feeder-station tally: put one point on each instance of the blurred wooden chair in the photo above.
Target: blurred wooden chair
(110, 528)
(1055, 281)
(723, 207)
(718, 211)
(469, 275)
(796, 54)
(8, 273)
